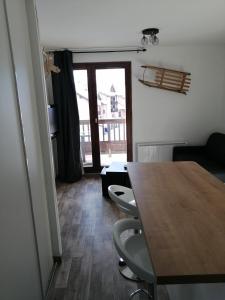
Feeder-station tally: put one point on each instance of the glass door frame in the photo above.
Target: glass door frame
(93, 108)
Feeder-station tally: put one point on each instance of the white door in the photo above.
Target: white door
(25, 241)
(19, 272)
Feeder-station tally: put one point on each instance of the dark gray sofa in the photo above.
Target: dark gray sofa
(210, 156)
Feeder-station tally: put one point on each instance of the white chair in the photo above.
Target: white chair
(135, 253)
(124, 199)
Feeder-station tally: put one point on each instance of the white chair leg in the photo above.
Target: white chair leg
(141, 291)
(126, 272)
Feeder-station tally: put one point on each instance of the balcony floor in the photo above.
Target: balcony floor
(107, 159)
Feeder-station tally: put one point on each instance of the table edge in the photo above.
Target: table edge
(191, 279)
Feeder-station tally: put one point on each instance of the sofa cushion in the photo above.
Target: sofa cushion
(215, 147)
(202, 160)
(220, 175)
(212, 166)
(194, 153)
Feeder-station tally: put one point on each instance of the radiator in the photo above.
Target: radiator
(156, 151)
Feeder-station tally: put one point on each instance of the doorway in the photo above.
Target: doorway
(105, 111)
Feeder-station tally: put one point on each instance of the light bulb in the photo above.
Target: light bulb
(144, 41)
(151, 38)
(155, 40)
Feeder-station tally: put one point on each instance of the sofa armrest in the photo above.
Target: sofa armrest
(179, 151)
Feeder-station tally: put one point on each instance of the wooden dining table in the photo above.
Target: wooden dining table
(182, 211)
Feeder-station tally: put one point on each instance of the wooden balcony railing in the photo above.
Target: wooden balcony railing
(112, 135)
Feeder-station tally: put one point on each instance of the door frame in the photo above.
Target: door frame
(91, 67)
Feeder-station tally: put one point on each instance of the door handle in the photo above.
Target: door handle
(96, 120)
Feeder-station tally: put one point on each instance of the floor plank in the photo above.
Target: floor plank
(89, 269)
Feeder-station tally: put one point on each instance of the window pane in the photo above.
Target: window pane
(81, 84)
(111, 100)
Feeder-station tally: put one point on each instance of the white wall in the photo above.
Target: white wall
(165, 115)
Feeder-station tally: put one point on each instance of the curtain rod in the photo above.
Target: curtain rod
(98, 51)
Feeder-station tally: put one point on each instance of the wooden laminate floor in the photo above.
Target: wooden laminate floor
(89, 269)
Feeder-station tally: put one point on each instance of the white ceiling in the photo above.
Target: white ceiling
(118, 23)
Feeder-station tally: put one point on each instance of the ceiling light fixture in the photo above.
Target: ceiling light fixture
(150, 36)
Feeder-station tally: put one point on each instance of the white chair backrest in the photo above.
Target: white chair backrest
(124, 198)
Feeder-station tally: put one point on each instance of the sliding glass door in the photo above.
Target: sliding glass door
(104, 102)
